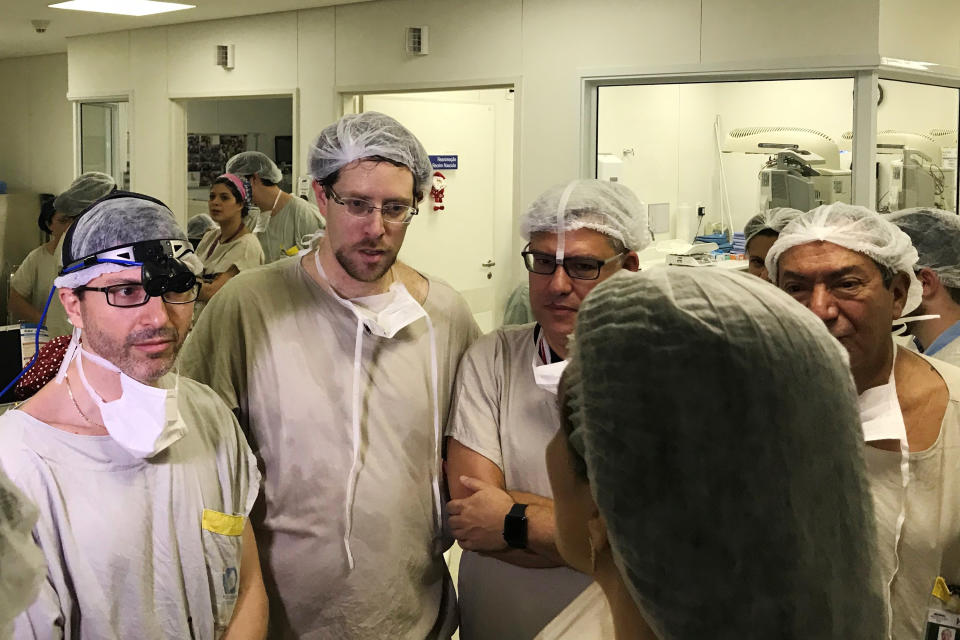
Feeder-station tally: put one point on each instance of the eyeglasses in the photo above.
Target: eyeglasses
(393, 212)
(133, 294)
(545, 264)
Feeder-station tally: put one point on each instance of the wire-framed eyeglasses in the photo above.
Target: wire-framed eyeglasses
(392, 212)
(580, 268)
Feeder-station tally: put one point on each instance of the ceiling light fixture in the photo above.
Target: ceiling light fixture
(122, 7)
(916, 65)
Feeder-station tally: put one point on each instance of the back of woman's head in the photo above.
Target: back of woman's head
(717, 420)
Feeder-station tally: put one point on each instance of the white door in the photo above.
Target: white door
(456, 243)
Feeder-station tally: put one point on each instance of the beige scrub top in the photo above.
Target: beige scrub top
(294, 220)
(280, 349)
(930, 540)
(243, 253)
(33, 281)
(502, 414)
(127, 550)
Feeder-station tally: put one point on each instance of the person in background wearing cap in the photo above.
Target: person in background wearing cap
(936, 237)
(290, 219)
(31, 283)
(229, 248)
(512, 580)
(197, 227)
(855, 270)
(760, 232)
(143, 478)
(754, 522)
(341, 365)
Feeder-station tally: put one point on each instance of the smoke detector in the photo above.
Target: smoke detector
(40, 25)
(418, 41)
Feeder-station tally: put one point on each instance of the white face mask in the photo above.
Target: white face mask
(384, 314)
(547, 376)
(144, 420)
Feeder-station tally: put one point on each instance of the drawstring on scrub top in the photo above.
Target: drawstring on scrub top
(357, 434)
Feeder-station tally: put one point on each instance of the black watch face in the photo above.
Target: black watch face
(515, 531)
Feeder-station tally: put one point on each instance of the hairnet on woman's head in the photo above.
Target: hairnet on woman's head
(935, 235)
(247, 163)
(855, 228)
(83, 192)
(23, 566)
(609, 208)
(772, 219)
(718, 423)
(364, 135)
(114, 223)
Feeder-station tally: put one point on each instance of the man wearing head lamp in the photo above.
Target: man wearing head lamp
(143, 479)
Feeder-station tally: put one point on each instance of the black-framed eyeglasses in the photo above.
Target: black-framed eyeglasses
(580, 268)
(133, 294)
(393, 212)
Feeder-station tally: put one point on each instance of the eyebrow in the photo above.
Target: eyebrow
(839, 273)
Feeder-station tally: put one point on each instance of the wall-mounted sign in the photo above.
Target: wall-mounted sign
(444, 162)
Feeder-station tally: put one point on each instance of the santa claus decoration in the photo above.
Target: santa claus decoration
(436, 191)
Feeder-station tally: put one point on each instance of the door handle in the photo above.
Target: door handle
(488, 264)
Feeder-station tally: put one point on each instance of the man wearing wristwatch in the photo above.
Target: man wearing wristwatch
(512, 581)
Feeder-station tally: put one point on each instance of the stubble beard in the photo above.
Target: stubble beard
(147, 369)
(360, 273)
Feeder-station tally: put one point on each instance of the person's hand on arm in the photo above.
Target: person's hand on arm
(207, 289)
(249, 621)
(479, 504)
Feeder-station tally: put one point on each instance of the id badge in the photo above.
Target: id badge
(942, 625)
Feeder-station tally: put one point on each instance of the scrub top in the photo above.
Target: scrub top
(131, 547)
(947, 346)
(243, 253)
(280, 349)
(930, 539)
(287, 228)
(500, 413)
(586, 618)
(33, 281)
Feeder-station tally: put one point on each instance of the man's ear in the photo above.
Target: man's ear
(71, 304)
(899, 287)
(930, 281)
(631, 261)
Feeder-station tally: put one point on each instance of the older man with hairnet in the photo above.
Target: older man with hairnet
(512, 580)
(855, 270)
(760, 232)
(341, 365)
(143, 478)
(32, 282)
(286, 222)
(936, 236)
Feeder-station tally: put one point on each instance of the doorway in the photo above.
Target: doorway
(105, 140)
(463, 235)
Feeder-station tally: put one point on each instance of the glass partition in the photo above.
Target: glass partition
(104, 140)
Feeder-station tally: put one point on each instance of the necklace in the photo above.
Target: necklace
(220, 240)
(77, 405)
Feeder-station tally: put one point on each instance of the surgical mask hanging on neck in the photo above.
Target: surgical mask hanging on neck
(546, 374)
(144, 420)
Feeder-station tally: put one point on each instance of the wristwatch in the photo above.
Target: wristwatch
(515, 527)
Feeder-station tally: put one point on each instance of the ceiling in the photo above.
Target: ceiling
(18, 37)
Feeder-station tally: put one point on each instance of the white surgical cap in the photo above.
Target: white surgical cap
(609, 208)
(22, 567)
(247, 163)
(772, 219)
(734, 509)
(936, 237)
(364, 135)
(857, 229)
(115, 223)
(83, 192)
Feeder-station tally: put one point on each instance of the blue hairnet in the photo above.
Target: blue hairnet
(363, 135)
(734, 509)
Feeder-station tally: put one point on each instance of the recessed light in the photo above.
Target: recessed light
(122, 7)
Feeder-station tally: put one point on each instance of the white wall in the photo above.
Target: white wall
(36, 124)
(923, 30)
